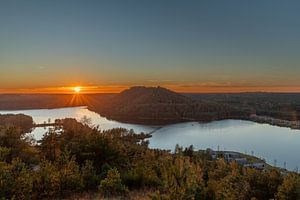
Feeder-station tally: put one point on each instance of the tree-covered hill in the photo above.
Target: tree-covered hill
(157, 105)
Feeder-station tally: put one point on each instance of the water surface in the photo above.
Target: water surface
(263, 140)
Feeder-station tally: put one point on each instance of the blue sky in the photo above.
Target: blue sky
(192, 45)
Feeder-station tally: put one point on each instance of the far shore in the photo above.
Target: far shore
(163, 122)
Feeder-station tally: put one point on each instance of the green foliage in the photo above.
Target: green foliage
(69, 174)
(49, 146)
(290, 188)
(4, 152)
(158, 196)
(15, 180)
(115, 162)
(47, 180)
(19, 146)
(89, 175)
(112, 184)
(182, 178)
(146, 171)
(232, 187)
(233, 182)
(59, 178)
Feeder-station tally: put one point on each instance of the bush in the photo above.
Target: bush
(112, 184)
(59, 178)
(89, 176)
(290, 188)
(15, 180)
(46, 181)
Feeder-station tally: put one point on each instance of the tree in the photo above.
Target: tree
(15, 180)
(46, 180)
(19, 146)
(86, 121)
(89, 175)
(112, 184)
(259, 183)
(49, 146)
(70, 179)
(289, 189)
(182, 178)
(4, 152)
(233, 187)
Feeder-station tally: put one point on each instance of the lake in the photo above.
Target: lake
(262, 140)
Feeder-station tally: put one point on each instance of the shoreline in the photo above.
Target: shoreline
(275, 122)
(295, 125)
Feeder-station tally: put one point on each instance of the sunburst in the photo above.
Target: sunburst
(77, 89)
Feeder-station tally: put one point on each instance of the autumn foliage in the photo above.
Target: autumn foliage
(116, 163)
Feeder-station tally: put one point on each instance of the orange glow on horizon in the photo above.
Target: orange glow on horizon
(177, 88)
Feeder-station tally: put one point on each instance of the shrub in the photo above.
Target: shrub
(89, 176)
(112, 184)
(15, 180)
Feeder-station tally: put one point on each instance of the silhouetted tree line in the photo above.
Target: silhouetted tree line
(77, 159)
(24, 122)
(156, 105)
(277, 105)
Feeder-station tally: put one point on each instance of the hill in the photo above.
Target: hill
(150, 95)
(157, 105)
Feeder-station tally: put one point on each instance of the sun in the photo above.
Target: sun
(77, 89)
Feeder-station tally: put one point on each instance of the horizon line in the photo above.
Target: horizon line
(179, 89)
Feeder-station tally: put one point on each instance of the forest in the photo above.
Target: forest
(284, 106)
(160, 106)
(78, 161)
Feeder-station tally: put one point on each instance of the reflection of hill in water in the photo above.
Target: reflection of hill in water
(222, 124)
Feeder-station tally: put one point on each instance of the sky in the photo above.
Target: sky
(188, 46)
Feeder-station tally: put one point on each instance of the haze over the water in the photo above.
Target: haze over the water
(187, 46)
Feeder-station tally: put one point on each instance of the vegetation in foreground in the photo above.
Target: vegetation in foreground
(83, 162)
